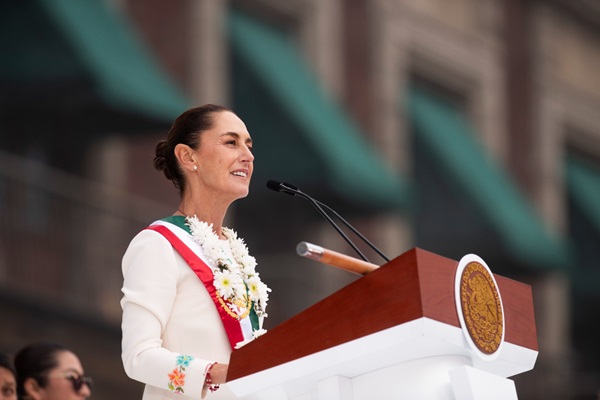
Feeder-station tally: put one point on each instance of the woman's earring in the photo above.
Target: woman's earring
(195, 168)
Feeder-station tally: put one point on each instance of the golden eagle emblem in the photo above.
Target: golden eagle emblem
(481, 307)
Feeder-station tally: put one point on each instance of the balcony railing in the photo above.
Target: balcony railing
(62, 238)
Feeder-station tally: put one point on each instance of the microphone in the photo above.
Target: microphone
(292, 190)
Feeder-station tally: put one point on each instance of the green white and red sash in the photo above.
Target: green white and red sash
(237, 331)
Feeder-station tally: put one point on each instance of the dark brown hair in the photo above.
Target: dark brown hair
(186, 130)
(6, 363)
(35, 361)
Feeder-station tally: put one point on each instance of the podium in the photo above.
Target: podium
(394, 333)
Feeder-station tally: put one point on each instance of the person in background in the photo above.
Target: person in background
(8, 379)
(50, 371)
(191, 293)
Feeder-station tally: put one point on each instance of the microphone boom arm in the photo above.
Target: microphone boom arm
(292, 190)
(315, 204)
(356, 232)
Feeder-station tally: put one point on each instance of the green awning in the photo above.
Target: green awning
(308, 135)
(122, 69)
(86, 41)
(583, 181)
(451, 140)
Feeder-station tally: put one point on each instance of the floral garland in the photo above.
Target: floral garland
(237, 283)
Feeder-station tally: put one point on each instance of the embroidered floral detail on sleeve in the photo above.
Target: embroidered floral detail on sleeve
(184, 361)
(177, 377)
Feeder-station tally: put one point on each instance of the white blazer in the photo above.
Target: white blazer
(168, 313)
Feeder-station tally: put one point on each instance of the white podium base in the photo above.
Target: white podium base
(411, 361)
(474, 384)
(422, 379)
(434, 378)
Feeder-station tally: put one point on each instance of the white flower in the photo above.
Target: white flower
(224, 283)
(254, 288)
(249, 264)
(234, 280)
(213, 253)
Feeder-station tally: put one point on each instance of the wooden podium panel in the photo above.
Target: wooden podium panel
(414, 285)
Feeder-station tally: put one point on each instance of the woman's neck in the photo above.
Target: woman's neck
(207, 210)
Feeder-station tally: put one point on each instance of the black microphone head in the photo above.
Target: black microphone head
(274, 185)
(283, 187)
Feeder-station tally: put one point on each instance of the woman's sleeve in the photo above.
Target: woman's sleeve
(150, 276)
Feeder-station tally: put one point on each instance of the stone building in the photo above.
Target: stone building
(462, 126)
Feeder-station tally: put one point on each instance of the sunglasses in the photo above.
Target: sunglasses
(77, 380)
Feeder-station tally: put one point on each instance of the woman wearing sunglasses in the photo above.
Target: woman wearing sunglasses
(49, 371)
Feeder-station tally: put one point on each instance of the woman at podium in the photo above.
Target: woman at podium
(191, 293)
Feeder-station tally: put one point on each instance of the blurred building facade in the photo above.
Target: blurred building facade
(459, 127)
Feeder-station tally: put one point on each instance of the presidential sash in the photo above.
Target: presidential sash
(233, 327)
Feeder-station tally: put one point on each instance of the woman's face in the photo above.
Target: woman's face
(60, 383)
(224, 158)
(8, 385)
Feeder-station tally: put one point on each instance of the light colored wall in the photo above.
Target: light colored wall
(567, 83)
(418, 37)
(208, 52)
(569, 52)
